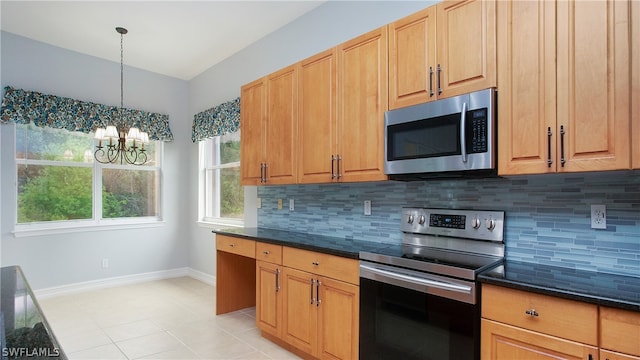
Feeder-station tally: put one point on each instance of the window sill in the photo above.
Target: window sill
(221, 224)
(78, 227)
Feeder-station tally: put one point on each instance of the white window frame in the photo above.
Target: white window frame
(97, 223)
(209, 199)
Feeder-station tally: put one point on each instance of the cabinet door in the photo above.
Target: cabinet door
(635, 83)
(268, 299)
(281, 126)
(362, 91)
(317, 118)
(466, 46)
(412, 59)
(338, 317)
(527, 87)
(593, 85)
(500, 341)
(610, 355)
(253, 113)
(299, 316)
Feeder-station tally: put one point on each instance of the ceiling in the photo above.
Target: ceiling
(180, 39)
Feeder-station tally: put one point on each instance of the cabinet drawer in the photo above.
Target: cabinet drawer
(269, 252)
(620, 330)
(332, 266)
(236, 245)
(563, 318)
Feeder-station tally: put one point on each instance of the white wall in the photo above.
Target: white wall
(326, 26)
(56, 260)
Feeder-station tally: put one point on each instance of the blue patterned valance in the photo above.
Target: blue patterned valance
(24, 107)
(220, 120)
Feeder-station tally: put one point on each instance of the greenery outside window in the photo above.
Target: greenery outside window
(221, 195)
(59, 185)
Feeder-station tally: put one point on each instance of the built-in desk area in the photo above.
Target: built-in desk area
(24, 331)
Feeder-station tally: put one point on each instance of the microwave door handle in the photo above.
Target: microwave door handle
(463, 135)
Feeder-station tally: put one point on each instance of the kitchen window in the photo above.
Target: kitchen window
(61, 187)
(221, 197)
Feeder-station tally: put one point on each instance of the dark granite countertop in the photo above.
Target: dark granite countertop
(612, 290)
(593, 287)
(24, 331)
(321, 243)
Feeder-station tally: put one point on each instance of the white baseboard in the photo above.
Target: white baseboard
(123, 280)
(204, 277)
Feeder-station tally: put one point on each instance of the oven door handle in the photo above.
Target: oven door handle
(417, 280)
(463, 132)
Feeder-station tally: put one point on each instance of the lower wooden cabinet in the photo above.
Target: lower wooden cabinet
(268, 298)
(518, 324)
(320, 315)
(298, 304)
(501, 341)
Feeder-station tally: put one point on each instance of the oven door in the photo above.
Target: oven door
(402, 318)
(453, 134)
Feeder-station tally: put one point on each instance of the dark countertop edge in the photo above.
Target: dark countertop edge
(293, 244)
(565, 294)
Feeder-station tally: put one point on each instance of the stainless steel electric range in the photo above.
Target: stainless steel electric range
(420, 300)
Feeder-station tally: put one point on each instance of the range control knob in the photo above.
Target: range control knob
(421, 220)
(410, 220)
(491, 224)
(475, 223)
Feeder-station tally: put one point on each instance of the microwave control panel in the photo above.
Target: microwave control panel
(478, 141)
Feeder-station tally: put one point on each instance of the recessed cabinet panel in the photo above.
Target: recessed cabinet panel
(593, 84)
(527, 87)
(362, 91)
(253, 113)
(466, 47)
(317, 118)
(281, 127)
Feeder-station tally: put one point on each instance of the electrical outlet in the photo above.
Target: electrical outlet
(367, 207)
(279, 204)
(291, 207)
(259, 203)
(105, 263)
(598, 217)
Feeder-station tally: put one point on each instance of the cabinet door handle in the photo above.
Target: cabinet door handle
(265, 172)
(463, 133)
(549, 161)
(315, 263)
(532, 312)
(232, 245)
(318, 283)
(262, 173)
(266, 252)
(333, 173)
(439, 87)
(562, 160)
(339, 160)
(313, 300)
(277, 280)
(430, 81)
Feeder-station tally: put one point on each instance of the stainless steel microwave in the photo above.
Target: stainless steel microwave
(449, 137)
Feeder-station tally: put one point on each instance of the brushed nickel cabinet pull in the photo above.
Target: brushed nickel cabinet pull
(277, 280)
(549, 161)
(266, 252)
(318, 283)
(232, 245)
(431, 81)
(439, 87)
(315, 263)
(333, 172)
(313, 300)
(562, 160)
(532, 312)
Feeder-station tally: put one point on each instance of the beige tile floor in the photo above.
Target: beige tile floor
(165, 319)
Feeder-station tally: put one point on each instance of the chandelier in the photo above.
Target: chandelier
(122, 144)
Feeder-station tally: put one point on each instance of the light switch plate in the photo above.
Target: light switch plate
(259, 203)
(367, 207)
(291, 205)
(279, 204)
(598, 216)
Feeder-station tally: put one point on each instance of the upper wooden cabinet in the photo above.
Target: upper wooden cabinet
(317, 106)
(362, 99)
(563, 86)
(253, 113)
(442, 51)
(635, 83)
(269, 115)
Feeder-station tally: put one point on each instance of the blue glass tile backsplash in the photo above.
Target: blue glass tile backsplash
(547, 217)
